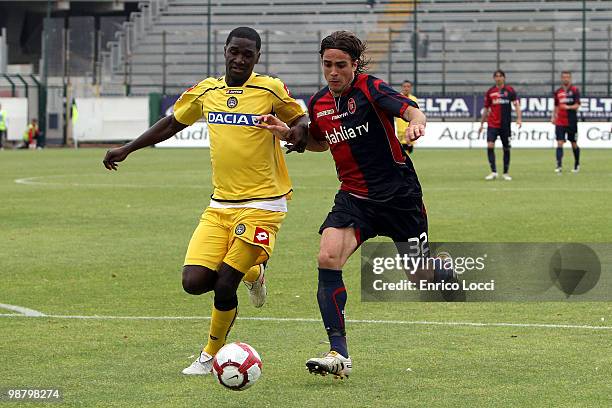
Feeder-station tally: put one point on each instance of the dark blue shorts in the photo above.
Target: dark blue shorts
(562, 131)
(402, 218)
(503, 133)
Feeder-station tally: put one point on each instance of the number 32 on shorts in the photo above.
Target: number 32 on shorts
(418, 246)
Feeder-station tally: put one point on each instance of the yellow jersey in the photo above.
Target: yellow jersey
(401, 125)
(247, 162)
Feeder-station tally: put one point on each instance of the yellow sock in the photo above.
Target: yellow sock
(252, 274)
(220, 325)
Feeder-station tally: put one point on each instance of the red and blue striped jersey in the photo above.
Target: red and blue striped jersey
(569, 96)
(499, 101)
(359, 128)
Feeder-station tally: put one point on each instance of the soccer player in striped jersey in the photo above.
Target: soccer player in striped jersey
(380, 193)
(498, 114)
(565, 119)
(251, 185)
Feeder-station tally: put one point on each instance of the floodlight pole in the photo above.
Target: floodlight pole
(415, 47)
(42, 97)
(208, 47)
(584, 47)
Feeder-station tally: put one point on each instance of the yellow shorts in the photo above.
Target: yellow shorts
(222, 232)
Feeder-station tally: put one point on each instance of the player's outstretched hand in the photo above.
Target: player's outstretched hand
(274, 125)
(415, 131)
(297, 140)
(113, 156)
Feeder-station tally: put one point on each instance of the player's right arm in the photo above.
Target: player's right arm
(555, 110)
(187, 110)
(485, 115)
(316, 145)
(164, 129)
(485, 112)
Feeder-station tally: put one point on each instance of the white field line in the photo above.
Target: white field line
(37, 181)
(22, 310)
(318, 321)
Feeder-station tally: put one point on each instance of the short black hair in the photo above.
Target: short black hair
(407, 82)
(245, 32)
(566, 72)
(499, 71)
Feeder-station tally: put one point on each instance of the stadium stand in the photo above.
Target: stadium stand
(164, 46)
(169, 44)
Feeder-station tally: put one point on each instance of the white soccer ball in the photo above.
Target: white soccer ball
(237, 366)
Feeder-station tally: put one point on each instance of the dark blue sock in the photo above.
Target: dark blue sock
(491, 156)
(331, 295)
(506, 159)
(559, 156)
(576, 157)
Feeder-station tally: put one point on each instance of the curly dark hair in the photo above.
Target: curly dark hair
(349, 43)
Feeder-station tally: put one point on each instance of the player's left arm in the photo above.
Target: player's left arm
(398, 105)
(297, 139)
(287, 110)
(282, 131)
(417, 121)
(519, 114)
(517, 107)
(576, 104)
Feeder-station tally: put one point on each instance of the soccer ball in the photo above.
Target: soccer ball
(237, 366)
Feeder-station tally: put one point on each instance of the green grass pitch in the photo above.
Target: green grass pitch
(77, 240)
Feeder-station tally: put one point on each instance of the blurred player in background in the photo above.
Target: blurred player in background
(380, 193)
(237, 231)
(31, 135)
(401, 126)
(565, 119)
(498, 114)
(3, 126)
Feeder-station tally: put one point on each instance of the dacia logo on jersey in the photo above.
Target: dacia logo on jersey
(228, 118)
(232, 102)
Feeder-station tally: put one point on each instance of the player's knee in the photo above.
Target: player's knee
(328, 259)
(225, 304)
(225, 296)
(227, 284)
(198, 279)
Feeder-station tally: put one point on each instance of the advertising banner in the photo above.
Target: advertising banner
(530, 135)
(17, 117)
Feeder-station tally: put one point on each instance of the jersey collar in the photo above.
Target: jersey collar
(253, 74)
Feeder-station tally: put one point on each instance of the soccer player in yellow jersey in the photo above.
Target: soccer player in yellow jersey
(401, 126)
(237, 231)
